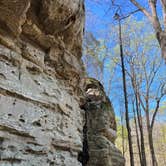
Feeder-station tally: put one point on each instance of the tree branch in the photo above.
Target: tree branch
(155, 112)
(158, 99)
(163, 4)
(141, 8)
(155, 19)
(141, 102)
(152, 4)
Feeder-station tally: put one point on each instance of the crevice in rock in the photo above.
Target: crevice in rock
(2, 139)
(83, 156)
(16, 132)
(34, 152)
(11, 160)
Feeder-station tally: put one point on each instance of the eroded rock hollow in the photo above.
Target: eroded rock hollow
(41, 73)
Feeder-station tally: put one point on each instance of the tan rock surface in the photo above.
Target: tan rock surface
(40, 118)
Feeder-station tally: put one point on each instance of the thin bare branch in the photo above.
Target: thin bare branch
(163, 3)
(141, 8)
(155, 20)
(158, 100)
(152, 4)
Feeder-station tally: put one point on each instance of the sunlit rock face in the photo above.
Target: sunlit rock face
(41, 122)
(47, 22)
(101, 127)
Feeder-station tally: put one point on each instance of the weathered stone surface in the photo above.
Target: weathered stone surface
(101, 127)
(40, 118)
(13, 15)
(36, 135)
(64, 18)
(56, 27)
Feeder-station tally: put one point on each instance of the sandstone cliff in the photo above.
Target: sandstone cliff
(41, 122)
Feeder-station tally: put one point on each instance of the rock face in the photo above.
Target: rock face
(41, 122)
(40, 68)
(101, 127)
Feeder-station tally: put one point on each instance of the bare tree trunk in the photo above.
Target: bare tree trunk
(126, 100)
(154, 19)
(123, 148)
(164, 138)
(151, 124)
(150, 136)
(139, 117)
(161, 37)
(137, 135)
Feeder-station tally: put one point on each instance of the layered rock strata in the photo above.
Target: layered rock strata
(40, 69)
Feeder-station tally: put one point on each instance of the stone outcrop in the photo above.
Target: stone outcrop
(41, 122)
(101, 127)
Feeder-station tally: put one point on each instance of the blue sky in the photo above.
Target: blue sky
(100, 13)
(99, 16)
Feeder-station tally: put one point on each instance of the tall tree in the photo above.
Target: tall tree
(153, 17)
(147, 69)
(125, 94)
(135, 86)
(144, 74)
(137, 135)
